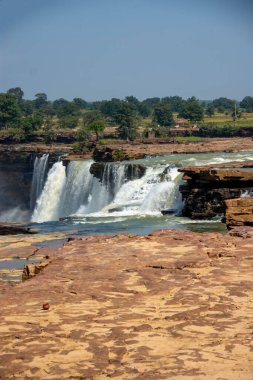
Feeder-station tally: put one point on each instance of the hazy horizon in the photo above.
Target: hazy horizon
(99, 50)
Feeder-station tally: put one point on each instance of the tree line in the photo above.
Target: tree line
(22, 117)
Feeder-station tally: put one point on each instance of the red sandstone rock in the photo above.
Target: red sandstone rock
(173, 305)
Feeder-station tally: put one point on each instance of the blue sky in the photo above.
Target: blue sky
(99, 49)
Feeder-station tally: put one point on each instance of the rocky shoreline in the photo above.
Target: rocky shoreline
(129, 150)
(215, 190)
(173, 304)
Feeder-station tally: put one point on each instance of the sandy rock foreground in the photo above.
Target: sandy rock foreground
(172, 305)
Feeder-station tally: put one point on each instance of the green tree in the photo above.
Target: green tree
(63, 107)
(97, 126)
(247, 103)
(223, 104)
(80, 103)
(91, 116)
(110, 108)
(210, 110)
(17, 92)
(163, 115)
(40, 101)
(82, 139)
(192, 110)
(126, 118)
(10, 113)
(176, 102)
(133, 101)
(68, 121)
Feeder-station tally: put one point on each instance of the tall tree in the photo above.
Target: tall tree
(192, 110)
(10, 113)
(210, 110)
(80, 103)
(63, 107)
(223, 104)
(17, 92)
(126, 119)
(40, 101)
(176, 102)
(247, 103)
(97, 126)
(163, 115)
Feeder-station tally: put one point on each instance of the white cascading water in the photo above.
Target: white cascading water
(77, 188)
(48, 204)
(40, 168)
(148, 195)
(78, 192)
(122, 191)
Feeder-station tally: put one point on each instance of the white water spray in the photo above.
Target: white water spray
(39, 176)
(47, 206)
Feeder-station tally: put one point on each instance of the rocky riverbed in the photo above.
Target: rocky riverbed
(173, 304)
(136, 150)
(16, 153)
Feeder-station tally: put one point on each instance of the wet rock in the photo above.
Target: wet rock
(207, 188)
(106, 171)
(14, 229)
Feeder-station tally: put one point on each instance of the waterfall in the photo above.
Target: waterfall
(39, 176)
(47, 205)
(77, 188)
(119, 191)
(155, 191)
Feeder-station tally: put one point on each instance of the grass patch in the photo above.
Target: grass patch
(222, 120)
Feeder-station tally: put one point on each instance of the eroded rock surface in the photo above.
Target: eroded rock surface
(116, 151)
(239, 212)
(171, 305)
(208, 187)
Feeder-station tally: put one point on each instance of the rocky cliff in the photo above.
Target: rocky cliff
(16, 171)
(207, 188)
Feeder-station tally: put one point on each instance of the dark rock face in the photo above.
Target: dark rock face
(16, 172)
(131, 171)
(207, 203)
(15, 181)
(14, 229)
(207, 188)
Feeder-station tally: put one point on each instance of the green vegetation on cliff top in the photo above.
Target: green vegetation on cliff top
(27, 120)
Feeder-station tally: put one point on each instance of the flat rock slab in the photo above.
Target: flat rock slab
(14, 229)
(171, 305)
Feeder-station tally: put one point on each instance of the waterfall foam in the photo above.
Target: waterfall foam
(47, 206)
(116, 190)
(39, 176)
(78, 192)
